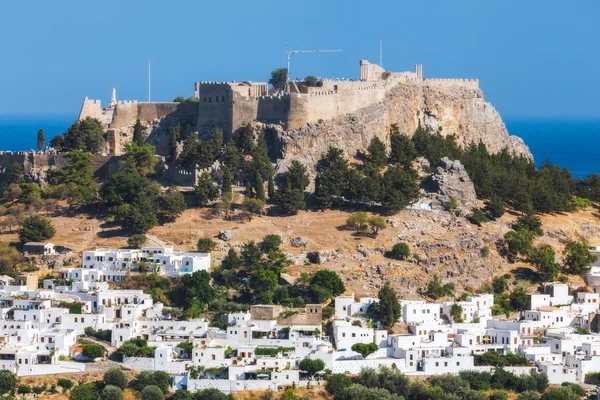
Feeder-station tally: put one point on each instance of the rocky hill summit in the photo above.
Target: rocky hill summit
(448, 109)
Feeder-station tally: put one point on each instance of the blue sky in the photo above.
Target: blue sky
(533, 58)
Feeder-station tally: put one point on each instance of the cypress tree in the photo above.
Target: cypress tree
(226, 185)
(138, 133)
(271, 187)
(259, 186)
(40, 139)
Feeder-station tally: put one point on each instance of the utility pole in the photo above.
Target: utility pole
(290, 53)
(148, 80)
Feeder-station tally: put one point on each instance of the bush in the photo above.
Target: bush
(211, 394)
(337, 383)
(36, 229)
(477, 217)
(66, 384)
(92, 350)
(477, 380)
(365, 348)
(152, 392)
(24, 389)
(400, 251)
(8, 381)
(435, 288)
(528, 395)
(205, 245)
(85, 391)
(115, 377)
(499, 395)
(270, 242)
(136, 241)
(111, 392)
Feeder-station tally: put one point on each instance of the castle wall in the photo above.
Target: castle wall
(215, 107)
(93, 109)
(446, 83)
(245, 110)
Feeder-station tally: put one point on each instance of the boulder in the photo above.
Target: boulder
(226, 235)
(451, 180)
(298, 242)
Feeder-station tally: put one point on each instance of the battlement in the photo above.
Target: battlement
(93, 102)
(468, 83)
(127, 102)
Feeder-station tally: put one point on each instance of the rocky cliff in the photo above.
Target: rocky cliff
(448, 109)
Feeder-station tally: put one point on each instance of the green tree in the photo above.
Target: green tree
(252, 207)
(289, 200)
(152, 392)
(271, 188)
(174, 138)
(402, 150)
(328, 280)
(544, 259)
(205, 190)
(529, 222)
(57, 142)
(226, 185)
(310, 81)
(66, 384)
(85, 391)
(179, 99)
(400, 251)
(337, 383)
(170, 205)
(364, 349)
(139, 159)
(456, 311)
(138, 133)
(436, 288)
(16, 174)
(111, 392)
(24, 389)
(92, 350)
(231, 261)
(278, 78)
(141, 216)
(578, 257)
(36, 229)
(376, 223)
(259, 185)
(271, 242)
(495, 207)
(311, 366)
(244, 140)
(518, 299)
(86, 135)
(41, 141)
(388, 310)
(197, 286)
(499, 284)
(115, 377)
(401, 188)
(376, 153)
(358, 221)
(518, 243)
(205, 245)
(8, 381)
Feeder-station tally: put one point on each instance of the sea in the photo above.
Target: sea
(567, 142)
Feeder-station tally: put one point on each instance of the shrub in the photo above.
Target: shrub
(66, 384)
(435, 289)
(8, 381)
(92, 350)
(24, 389)
(528, 395)
(85, 391)
(477, 217)
(136, 241)
(115, 377)
(400, 251)
(205, 245)
(36, 229)
(111, 392)
(270, 242)
(337, 383)
(499, 395)
(477, 380)
(365, 348)
(152, 392)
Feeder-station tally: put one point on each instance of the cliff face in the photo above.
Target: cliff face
(453, 108)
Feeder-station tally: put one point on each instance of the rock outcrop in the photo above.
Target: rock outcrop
(451, 180)
(453, 109)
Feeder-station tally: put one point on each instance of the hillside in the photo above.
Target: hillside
(449, 247)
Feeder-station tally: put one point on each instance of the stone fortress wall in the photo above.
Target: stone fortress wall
(43, 160)
(230, 105)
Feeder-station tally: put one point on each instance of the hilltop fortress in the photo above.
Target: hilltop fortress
(304, 121)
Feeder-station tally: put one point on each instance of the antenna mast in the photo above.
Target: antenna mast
(148, 80)
(381, 53)
(290, 53)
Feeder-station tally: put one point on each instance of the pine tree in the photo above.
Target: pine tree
(138, 133)
(259, 186)
(175, 136)
(40, 139)
(226, 185)
(388, 310)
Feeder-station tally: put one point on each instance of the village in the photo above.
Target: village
(45, 330)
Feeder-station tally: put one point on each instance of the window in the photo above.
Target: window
(212, 357)
(437, 364)
(222, 98)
